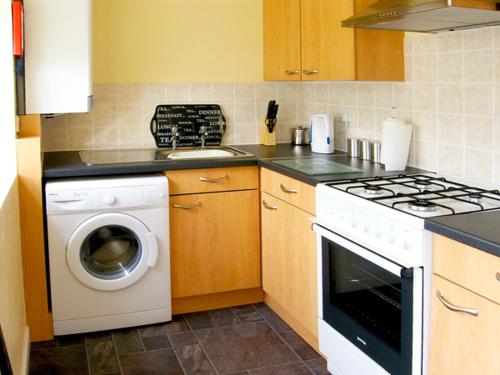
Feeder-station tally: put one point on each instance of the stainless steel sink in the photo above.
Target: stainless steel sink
(99, 157)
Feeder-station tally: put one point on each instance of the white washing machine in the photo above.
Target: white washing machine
(109, 254)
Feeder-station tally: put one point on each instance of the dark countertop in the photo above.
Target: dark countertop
(479, 229)
(66, 164)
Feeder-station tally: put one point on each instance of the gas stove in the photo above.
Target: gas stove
(422, 195)
(375, 258)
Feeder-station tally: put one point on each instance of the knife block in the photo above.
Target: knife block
(266, 138)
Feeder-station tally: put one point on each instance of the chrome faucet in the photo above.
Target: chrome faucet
(175, 134)
(204, 135)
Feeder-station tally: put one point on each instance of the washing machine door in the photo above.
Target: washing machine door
(111, 251)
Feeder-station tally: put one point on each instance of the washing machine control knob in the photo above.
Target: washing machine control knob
(109, 199)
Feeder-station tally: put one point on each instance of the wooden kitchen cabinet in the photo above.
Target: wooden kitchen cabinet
(289, 268)
(214, 238)
(462, 343)
(304, 40)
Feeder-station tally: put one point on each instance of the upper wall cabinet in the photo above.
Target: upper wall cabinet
(304, 40)
(58, 57)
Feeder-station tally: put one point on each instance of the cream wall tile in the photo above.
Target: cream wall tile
(105, 94)
(266, 91)
(366, 122)
(106, 137)
(479, 99)
(178, 93)
(497, 170)
(426, 97)
(451, 41)
(154, 93)
(425, 44)
(245, 113)
(479, 132)
(223, 93)
(451, 160)
(287, 112)
(335, 92)
(288, 91)
(481, 38)
(349, 94)
(409, 45)
(365, 94)
(201, 93)
(425, 155)
(129, 137)
(479, 166)
(451, 129)
(451, 98)
(245, 133)
(425, 68)
(244, 93)
(128, 94)
(425, 126)
(322, 93)
(130, 115)
(81, 139)
(479, 66)
(103, 116)
(383, 95)
(308, 91)
(55, 139)
(403, 96)
(497, 135)
(450, 67)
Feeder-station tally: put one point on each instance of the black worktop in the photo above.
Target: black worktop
(480, 229)
(66, 164)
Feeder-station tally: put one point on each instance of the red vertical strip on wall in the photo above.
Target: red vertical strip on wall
(17, 27)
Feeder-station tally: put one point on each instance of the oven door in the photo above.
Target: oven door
(374, 303)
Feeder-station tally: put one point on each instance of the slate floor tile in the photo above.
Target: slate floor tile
(246, 313)
(155, 342)
(318, 366)
(245, 346)
(182, 339)
(97, 337)
(68, 360)
(102, 358)
(214, 318)
(194, 361)
(298, 344)
(43, 345)
(127, 341)
(67, 340)
(270, 316)
(288, 369)
(178, 324)
(157, 362)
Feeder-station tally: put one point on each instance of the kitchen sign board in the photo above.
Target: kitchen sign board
(191, 120)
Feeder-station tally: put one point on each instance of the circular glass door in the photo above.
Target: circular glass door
(110, 251)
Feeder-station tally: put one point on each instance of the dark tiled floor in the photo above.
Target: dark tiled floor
(243, 340)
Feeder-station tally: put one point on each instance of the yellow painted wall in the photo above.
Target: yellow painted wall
(12, 311)
(147, 41)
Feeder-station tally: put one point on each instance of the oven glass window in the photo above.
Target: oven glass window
(367, 293)
(110, 252)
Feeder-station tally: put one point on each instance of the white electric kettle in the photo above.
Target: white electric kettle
(322, 140)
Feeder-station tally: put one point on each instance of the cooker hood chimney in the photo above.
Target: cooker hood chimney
(426, 16)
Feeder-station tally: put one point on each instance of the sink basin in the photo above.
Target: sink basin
(201, 154)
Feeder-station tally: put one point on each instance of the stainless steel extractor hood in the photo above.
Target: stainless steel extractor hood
(428, 16)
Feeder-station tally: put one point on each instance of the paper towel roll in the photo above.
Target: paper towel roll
(396, 136)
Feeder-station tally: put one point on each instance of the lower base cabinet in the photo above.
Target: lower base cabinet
(289, 268)
(463, 343)
(215, 242)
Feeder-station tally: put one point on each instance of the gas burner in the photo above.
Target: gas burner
(475, 198)
(422, 184)
(372, 190)
(422, 206)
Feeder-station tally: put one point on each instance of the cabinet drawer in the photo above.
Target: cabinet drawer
(471, 268)
(189, 181)
(290, 190)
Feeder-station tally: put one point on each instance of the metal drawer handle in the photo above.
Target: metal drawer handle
(217, 179)
(498, 276)
(292, 72)
(284, 189)
(310, 72)
(451, 307)
(187, 206)
(268, 206)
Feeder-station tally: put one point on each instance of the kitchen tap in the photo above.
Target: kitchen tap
(175, 134)
(204, 135)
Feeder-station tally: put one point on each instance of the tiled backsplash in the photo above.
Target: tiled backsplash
(451, 95)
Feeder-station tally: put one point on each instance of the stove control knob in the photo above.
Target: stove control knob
(109, 199)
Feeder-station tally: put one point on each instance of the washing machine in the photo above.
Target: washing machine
(109, 256)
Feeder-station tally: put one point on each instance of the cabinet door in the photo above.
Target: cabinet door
(214, 242)
(462, 343)
(327, 47)
(282, 40)
(379, 53)
(289, 260)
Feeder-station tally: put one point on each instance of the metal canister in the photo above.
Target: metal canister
(300, 135)
(353, 147)
(365, 149)
(376, 151)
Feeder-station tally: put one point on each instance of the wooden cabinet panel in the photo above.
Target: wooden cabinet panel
(282, 59)
(215, 246)
(188, 181)
(466, 266)
(301, 195)
(289, 269)
(327, 47)
(379, 53)
(463, 343)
